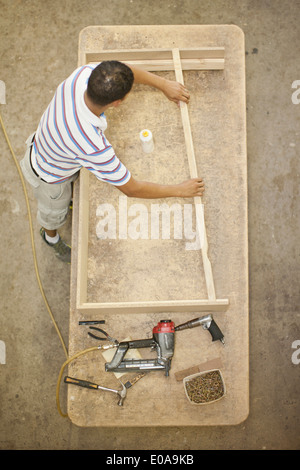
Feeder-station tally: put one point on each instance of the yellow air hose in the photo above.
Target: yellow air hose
(94, 348)
(69, 359)
(32, 237)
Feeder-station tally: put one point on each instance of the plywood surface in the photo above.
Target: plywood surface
(156, 269)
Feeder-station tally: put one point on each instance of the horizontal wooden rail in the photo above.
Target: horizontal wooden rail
(152, 60)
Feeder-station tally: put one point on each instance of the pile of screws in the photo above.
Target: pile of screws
(205, 388)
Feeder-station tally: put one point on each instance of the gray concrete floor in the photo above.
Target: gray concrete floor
(39, 43)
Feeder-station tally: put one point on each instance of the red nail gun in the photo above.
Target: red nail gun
(162, 341)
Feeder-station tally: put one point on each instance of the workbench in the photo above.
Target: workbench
(133, 267)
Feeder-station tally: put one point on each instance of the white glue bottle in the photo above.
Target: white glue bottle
(146, 140)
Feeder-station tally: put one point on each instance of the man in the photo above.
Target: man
(71, 135)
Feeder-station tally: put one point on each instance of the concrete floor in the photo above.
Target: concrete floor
(39, 43)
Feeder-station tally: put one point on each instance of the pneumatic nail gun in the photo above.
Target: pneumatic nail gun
(162, 341)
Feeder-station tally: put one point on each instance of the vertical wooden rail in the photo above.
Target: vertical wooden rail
(193, 173)
(83, 237)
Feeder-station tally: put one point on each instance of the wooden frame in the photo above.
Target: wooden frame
(153, 60)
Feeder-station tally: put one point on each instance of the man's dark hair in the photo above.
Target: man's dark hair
(109, 81)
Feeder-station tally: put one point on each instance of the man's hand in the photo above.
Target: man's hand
(173, 90)
(176, 92)
(191, 188)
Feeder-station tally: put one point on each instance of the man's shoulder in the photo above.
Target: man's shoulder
(82, 70)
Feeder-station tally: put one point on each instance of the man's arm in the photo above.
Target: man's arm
(143, 189)
(173, 90)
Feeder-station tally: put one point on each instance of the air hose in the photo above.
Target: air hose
(69, 359)
(32, 236)
(94, 348)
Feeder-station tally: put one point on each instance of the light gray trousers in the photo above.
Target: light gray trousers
(53, 199)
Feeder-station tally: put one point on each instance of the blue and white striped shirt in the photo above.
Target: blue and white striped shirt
(70, 136)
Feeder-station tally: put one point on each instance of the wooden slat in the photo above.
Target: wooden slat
(83, 237)
(162, 60)
(218, 305)
(168, 65)
(155, 54)
(194, 174)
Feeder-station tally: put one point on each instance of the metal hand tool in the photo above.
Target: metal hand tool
(208, 323)
(135, 379)
(86, 384)
(106, 336)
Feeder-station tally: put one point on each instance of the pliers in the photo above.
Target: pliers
(107, 337)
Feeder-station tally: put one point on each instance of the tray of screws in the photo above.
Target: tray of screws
(204, 387)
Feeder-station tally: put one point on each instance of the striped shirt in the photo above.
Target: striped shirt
(70, 136)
